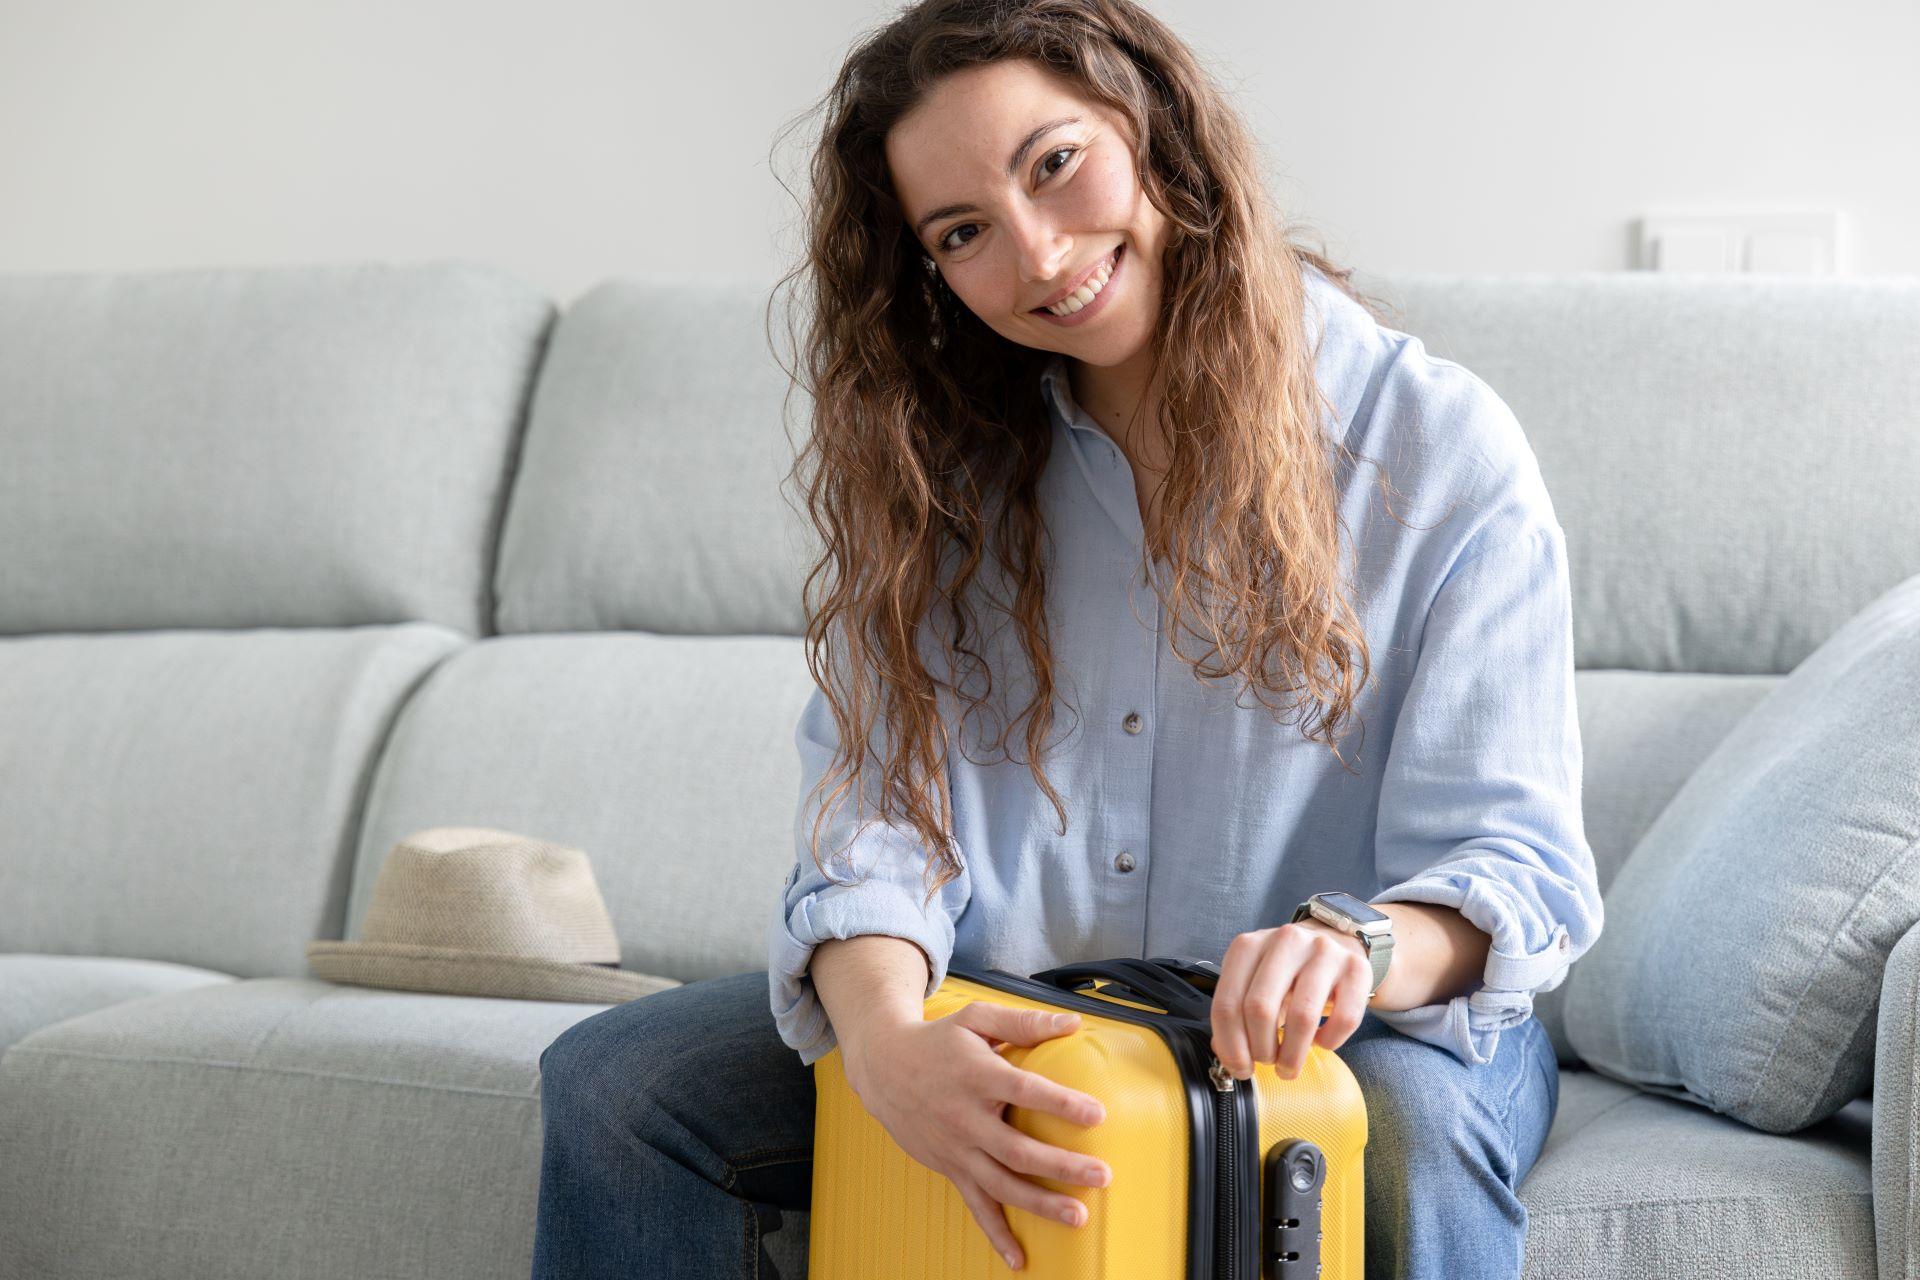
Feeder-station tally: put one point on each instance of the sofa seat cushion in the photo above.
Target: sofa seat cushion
(1635, 1186)
(278, 1127)
(42, 990)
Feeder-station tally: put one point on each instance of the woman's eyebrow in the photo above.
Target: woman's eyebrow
(1013, 163)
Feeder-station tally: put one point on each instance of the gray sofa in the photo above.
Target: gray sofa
(296, 561)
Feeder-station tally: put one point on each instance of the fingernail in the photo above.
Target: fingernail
(1011, 1261)
(1062, 1019)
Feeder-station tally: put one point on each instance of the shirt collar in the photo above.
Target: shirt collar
(1344, 337)
(1057, 386)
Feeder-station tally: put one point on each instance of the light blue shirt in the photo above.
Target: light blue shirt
(1192, 819)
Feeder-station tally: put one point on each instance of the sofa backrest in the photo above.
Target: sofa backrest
(242, 513)
(258, 447)
(640, 696)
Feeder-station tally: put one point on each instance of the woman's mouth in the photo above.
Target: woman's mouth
(1078, 308)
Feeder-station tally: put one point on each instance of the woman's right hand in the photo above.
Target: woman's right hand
(940, 1089)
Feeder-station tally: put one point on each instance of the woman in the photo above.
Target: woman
(999, 477)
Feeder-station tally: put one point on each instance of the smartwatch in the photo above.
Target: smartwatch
(1350, 915)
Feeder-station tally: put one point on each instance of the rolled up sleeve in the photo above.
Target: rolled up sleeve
(883, 892)
(1480, 805)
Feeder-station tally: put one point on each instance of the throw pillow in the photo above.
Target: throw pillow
(1747, 933)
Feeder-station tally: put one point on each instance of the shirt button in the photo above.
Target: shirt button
(1124, 862)
(1132, 722)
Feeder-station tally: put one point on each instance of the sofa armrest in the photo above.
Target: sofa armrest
(1896, 1114)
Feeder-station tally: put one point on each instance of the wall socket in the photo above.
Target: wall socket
(1760, 241)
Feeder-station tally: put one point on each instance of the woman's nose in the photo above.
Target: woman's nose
(1043, 252)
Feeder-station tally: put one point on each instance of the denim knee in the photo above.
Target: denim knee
(578, 1065)
(1444, 1145)
(1426, 1108)
(695, 1073)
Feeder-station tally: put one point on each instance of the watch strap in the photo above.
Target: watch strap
(1379, 955)
(1379, 947)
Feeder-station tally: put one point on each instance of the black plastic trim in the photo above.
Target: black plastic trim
(1246, 1246)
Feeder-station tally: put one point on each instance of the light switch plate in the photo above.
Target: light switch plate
(1772, 241)
(1693, 249)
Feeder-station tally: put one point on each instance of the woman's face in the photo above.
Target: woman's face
(1018, 188)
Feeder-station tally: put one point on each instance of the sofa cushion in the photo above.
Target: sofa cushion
(278, 1127)
(669, 760)
(193, 796)
(1643, 733)
(1709, 443)
(649, 495)
(1632, 1186)
(42, 990)
(239, 447)
(1747, 934)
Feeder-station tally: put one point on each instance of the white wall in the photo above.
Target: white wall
(575, 139)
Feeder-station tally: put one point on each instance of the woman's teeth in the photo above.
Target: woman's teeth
(1086, 292)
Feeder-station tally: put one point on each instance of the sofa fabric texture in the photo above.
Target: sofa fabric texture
(296, 561)
(1754, 920)
(248, 447)
(187, 795)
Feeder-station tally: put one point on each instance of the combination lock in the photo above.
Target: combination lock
(1296, 1175)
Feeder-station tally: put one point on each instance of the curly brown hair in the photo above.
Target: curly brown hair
(920, 413)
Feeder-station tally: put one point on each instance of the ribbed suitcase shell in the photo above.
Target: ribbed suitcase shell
(878, 1214)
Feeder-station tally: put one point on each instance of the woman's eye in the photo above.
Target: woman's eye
(947, 247)
(1063, 151)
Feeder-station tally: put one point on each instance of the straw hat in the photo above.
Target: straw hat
(475, 912)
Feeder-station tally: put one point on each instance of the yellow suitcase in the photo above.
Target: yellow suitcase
(1213, 1178)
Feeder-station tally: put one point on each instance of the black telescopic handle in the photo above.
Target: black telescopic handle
(1146, 981)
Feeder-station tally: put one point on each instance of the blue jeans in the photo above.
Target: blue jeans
(679, 1127)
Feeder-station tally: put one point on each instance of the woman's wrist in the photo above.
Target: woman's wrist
(869, 983)
(1437, 954)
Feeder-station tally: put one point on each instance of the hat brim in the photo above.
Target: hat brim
(402, 966)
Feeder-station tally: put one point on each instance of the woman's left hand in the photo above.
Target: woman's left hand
(1291, 973)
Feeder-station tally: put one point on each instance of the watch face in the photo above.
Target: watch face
(1351, 907)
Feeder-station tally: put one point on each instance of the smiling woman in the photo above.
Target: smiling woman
(997, 197)
(1015, 233)
(1060, 345)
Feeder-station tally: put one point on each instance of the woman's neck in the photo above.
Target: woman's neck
(1122, 403)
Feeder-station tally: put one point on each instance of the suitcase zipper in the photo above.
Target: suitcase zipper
(1226, 1177)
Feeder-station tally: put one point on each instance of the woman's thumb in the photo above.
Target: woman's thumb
(1021, 1026)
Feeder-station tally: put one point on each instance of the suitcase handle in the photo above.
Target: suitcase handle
(1145, 981)
(1201, 973)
